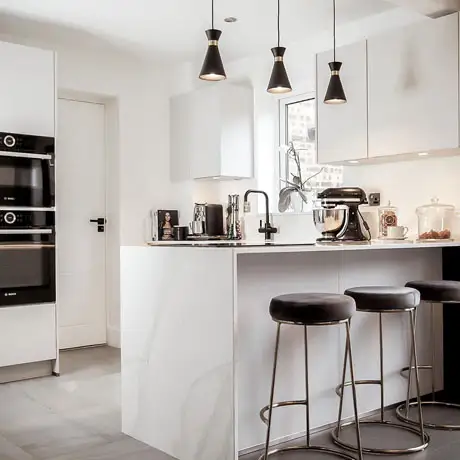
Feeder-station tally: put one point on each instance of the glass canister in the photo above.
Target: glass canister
(388, 217)
(435, 221)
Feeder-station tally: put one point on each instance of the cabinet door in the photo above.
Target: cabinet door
(207, 127)
(342, 129)
(27, 90)
(413, 88)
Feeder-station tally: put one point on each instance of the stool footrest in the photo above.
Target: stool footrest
(435, 426)
(375, 451)
(299, 402)
(419, 367)
(339, 388)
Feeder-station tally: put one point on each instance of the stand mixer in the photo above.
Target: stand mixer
(339, 218)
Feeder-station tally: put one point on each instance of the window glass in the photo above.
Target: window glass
(301, 177)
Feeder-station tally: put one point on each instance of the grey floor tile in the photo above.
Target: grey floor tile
(9, 451)
(122, 449)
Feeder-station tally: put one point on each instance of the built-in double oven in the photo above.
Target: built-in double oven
(27, 220)
(26, 171)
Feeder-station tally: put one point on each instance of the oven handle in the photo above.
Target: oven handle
(39, 156)
(26, 246)
(30, 231)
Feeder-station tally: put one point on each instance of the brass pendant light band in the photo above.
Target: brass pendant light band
(278, 58)
(213, 42)
(335, 72)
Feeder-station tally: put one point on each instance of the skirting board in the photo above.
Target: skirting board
(25, 371)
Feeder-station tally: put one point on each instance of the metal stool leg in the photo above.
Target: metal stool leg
(272, 391)
(382, 388)
(307, 446)
(402, 411)
(417, 379)
(307, 391)
(340, 392)
(433, 354)
(355, 398)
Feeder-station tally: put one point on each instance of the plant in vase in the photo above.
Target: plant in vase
(295, 194)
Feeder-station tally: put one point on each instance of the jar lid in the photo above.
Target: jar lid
(436, 205)
(389, 207)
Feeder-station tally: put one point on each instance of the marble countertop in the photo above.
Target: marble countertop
(245, 246)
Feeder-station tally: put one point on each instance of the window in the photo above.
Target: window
(301, 178)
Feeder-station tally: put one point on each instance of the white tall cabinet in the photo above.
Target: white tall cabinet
(342, 129)
(413, 88)
(27, 90)
(27, 100)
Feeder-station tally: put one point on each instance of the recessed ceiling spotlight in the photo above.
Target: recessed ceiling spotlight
(231, 19)
(423, 154)
(353, 162)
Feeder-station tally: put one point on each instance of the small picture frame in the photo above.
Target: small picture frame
(167, 219)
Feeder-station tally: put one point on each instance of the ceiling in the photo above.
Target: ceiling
(174, 29)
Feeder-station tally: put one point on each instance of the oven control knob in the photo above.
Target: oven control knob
(9, 141)
(10, 218)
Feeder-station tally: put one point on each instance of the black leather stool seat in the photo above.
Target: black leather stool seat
(312, 308)
(437, 291)
(384, 297)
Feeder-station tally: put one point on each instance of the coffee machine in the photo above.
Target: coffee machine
(339, 218)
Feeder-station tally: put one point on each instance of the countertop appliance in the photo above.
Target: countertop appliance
(26, 171)
(208, 218)
(339, 218)
(27, 257)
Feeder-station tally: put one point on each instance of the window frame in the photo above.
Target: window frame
(282, 120)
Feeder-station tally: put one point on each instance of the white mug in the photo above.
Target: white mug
(397, 232)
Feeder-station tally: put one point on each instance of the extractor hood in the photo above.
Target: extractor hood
(431, 8)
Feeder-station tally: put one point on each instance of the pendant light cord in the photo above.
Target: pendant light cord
(334, 25)
(278, 23)
(212, 14)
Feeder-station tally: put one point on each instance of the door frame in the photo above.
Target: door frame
(112, 234)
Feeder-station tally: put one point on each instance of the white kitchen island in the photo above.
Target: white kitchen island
(197, 339)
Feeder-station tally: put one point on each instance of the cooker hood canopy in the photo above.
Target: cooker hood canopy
(431, 8)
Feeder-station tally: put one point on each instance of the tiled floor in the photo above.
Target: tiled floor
(73, 417)
(77, 417)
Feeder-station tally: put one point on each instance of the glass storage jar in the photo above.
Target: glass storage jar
(388, 217)
(435, 221)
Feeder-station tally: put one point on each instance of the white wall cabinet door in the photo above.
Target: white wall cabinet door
(27, 90)
(342, 129)
(80, 168)
(212, 133)
(413, 88)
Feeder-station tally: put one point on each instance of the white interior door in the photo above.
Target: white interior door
(80, 196)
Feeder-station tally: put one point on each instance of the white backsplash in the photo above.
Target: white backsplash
(407, 185)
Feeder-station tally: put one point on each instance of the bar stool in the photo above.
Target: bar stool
(441, 292)
(309, 310)
(383, 299)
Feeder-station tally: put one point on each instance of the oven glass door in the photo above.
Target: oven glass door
(27, 181)
(27, 273)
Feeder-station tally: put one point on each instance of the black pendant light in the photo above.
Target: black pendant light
(335, 93)
(279, 80)
(213, 68)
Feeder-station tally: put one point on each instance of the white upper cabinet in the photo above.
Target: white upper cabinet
(27, 90)
(413, 88)
(212, 133)
(342, 129)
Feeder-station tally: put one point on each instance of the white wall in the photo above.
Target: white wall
(136, 94)
(300, 60)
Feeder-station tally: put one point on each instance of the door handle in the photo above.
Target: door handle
(100, 221)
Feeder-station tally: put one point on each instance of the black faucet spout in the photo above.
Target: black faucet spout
(267, 228)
